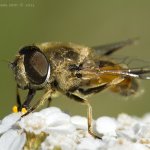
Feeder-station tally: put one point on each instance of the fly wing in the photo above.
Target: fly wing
(129, 85)
(108, 49)
(114, 70)
(141, 73)
(113, 76)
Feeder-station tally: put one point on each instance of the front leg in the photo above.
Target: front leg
(26, 103)
(18, 99)
(29, 98)
(40, 102)
(49, 102)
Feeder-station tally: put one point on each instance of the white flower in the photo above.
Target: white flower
(51, 129)
(48, 120)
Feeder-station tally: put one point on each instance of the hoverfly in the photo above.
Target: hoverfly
(74, 70)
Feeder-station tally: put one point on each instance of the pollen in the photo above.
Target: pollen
(23, 110)
(15, 109)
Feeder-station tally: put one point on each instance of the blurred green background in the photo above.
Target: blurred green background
(85, 22)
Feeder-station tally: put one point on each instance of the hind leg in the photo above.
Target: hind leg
(89, 111)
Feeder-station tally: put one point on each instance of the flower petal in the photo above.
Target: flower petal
(9, 121)
(33, 122)
(90, 143)
(12, 140)
(60, 141)
(106, 126)
(80, 122)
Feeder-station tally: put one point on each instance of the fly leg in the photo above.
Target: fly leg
(40, 102)
(89, 111)
(86, 102)
(30, 96)
(49, 102)
(18, 99)
(93, 90)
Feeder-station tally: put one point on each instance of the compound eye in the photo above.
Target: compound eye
(36, 64)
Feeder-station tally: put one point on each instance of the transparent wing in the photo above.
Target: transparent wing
(141, 73)
(115, 70)
(108, 49)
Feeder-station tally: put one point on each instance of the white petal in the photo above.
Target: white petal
(146, 118)
(65, 128)
(33, 122)
(137, 127)
(80, 122)
(106, 126)
(138, 146)
(127, 145)
(127, 134)
(12, 140)
(125, 120)
(9, 121)
(108, 141)
(58, 118)
(4, 128)
(49, 111)
(19, 142)
(90, 143)
(62, 141)
(144, 131)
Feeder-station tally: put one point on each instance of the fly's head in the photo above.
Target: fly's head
(31, 68)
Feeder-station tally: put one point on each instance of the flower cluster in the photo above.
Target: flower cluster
(52, 129)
